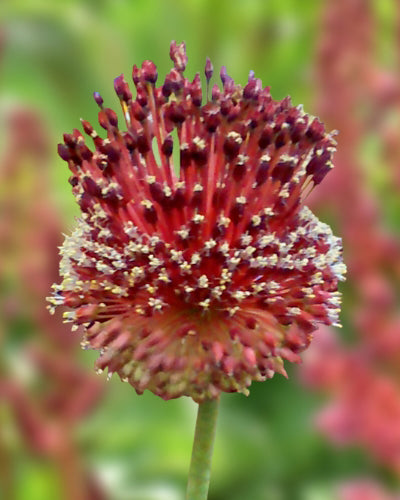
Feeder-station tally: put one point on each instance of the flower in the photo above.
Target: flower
(364, 489)
(198, 280)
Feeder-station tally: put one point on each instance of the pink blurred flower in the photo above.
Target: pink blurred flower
(45, 413)
(365, 405)
(364, 489)
(361, 98)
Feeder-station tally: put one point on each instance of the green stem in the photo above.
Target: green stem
(200, 465)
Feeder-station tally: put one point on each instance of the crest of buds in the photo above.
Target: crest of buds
(195, 268)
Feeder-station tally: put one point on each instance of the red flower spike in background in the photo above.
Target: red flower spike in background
(198, 281)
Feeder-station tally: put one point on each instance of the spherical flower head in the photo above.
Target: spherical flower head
(195, 269)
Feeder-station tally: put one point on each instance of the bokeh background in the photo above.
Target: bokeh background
(330, 432)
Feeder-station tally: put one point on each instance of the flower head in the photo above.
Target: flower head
(195, 269)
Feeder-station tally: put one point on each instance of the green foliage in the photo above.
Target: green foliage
(56, 54)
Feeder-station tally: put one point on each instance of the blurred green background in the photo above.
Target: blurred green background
(53, 55)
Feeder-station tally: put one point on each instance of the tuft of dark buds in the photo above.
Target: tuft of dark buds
(196, 268)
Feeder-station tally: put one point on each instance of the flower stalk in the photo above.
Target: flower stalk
(200, 465)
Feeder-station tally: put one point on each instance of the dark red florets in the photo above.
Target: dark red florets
(198, 277)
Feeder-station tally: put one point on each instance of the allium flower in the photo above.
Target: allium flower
(195, 269)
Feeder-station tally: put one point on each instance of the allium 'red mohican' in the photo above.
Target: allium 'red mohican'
(195, 268)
